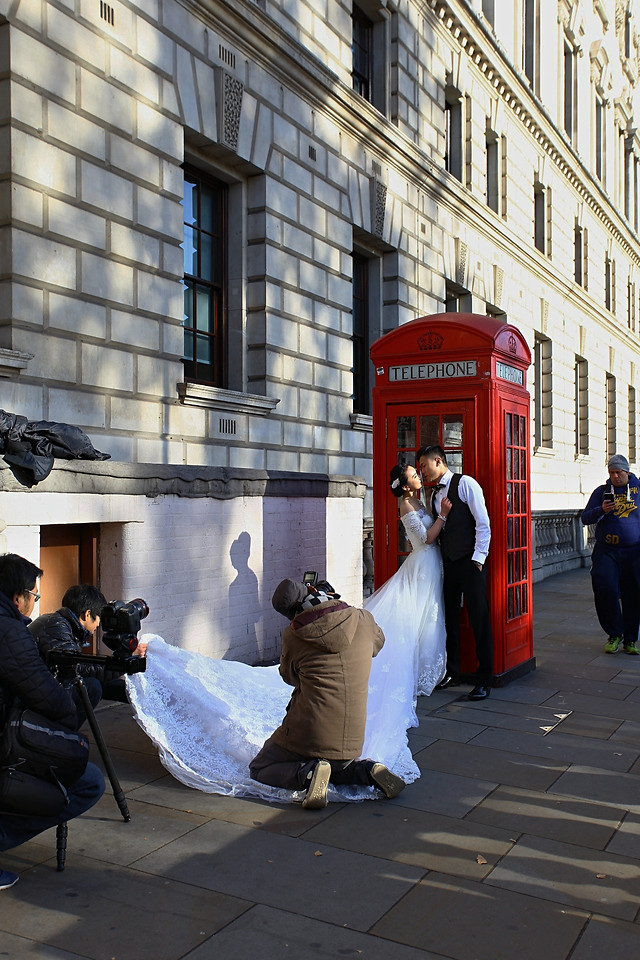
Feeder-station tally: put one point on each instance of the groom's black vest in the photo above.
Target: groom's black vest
(458, 536)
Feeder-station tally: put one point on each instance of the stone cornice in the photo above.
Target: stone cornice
(157, 479)
(248, 28)
(472, 36)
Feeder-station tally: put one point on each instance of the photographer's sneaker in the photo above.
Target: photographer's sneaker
(390, 785)
(316, 795)
(630, 647)
(612, 644)
(7, 879)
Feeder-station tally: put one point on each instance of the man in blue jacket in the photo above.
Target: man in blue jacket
(24, 676)
(615, 571)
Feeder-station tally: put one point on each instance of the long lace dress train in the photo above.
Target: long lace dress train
(208, 718)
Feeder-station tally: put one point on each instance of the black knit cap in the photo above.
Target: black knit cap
(288, 596)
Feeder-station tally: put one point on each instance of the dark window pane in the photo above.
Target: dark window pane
(406, 432)
(403, 543)
(429, 431)
(209, 211)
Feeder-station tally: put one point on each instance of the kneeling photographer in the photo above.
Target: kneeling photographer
(26, 683)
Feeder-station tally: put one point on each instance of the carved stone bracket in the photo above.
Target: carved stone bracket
(378, 206)
(230, 92)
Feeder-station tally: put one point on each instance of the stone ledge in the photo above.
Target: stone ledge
(229, 401)
(13, 362)
(156, 480)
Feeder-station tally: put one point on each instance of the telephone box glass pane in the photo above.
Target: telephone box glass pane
(451, 432)
(455, 461)
(517, 523)
(403, 543)
(406, 433)
(429, 431)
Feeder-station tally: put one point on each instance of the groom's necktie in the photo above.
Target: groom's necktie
(438, 486)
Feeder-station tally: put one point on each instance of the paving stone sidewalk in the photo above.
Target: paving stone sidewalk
(521, 840)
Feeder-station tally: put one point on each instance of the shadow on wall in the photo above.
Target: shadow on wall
(244, 609)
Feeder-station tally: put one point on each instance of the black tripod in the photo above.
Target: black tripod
(118, 794)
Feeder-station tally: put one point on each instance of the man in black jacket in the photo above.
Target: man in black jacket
(69, 630)
(24, 676)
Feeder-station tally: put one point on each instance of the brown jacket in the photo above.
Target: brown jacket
(326, 657)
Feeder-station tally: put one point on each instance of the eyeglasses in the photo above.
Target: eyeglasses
(36, 596)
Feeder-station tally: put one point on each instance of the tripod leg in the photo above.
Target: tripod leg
(118, 793)
(61, 845)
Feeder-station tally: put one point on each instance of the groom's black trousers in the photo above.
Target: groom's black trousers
(463, 577)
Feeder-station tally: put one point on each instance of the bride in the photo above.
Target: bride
(209, 718)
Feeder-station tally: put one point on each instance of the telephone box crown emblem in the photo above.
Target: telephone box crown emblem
(513, 344)
(430, 341)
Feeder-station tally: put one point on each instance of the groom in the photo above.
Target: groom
(464, 542)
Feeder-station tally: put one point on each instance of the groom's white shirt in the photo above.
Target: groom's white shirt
(470, 492)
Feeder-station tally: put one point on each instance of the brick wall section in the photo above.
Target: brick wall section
(208, 568)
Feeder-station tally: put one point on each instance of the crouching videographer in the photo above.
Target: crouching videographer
(69, 631)
(25, 679)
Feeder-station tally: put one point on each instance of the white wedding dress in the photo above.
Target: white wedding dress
(208, 718)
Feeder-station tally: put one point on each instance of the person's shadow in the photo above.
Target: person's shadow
(244, 607)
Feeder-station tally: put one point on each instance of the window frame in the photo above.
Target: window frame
(216, 285)
(581, 383)
(362, 29)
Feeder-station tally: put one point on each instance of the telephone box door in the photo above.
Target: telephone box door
(513, 598)
(411, 426)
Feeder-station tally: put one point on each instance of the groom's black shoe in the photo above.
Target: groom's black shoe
(447, 681)
(481, 692)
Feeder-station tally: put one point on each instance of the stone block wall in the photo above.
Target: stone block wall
(97, 118)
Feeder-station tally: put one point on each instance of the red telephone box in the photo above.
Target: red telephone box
(459, 380)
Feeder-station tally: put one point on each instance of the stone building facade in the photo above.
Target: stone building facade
(210, 210)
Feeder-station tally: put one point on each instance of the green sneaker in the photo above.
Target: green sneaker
(630, 647)
(612, 644)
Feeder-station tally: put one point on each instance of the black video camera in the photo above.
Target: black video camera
(120, 623)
